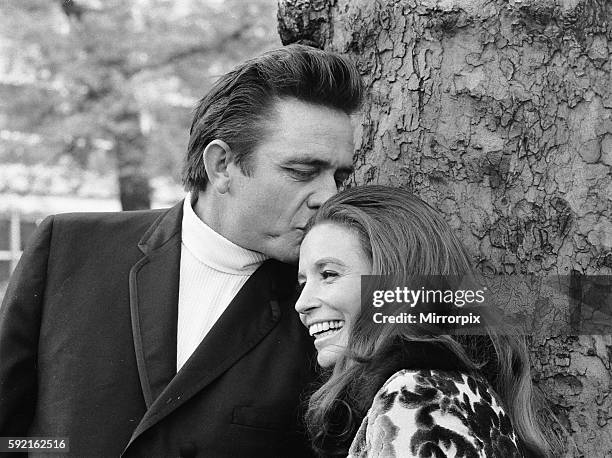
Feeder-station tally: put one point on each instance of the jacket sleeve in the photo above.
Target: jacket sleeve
(20, 317)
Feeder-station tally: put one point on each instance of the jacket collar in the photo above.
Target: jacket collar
(163, 230)
(154, 284)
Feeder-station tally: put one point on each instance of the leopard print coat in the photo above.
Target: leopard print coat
(432, 413)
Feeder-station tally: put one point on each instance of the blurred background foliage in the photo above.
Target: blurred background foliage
(96, 96)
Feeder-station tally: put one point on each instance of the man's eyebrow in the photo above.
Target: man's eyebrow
(307, 161)
(320, 163)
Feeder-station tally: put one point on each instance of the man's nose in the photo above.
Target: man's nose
(327, 187)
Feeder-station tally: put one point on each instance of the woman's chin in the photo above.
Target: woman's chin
(330, 347)
(327, 358)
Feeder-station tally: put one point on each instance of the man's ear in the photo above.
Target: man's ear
(217, 156)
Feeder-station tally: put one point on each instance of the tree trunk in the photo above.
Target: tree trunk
(499, 114)
(130, 151)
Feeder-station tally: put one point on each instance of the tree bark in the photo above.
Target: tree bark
(499, 114)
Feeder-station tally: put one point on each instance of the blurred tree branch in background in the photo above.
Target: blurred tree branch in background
(109, 86)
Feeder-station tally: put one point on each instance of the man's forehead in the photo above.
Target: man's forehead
(303, 133)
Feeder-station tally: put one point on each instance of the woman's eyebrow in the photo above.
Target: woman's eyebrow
(330, 260)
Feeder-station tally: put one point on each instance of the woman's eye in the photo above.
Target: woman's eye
(326, 274)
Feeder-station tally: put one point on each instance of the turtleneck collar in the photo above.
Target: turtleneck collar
(214, 250)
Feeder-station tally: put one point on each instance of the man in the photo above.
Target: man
(167, 333)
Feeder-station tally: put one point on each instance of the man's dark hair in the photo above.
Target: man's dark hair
(241, 102)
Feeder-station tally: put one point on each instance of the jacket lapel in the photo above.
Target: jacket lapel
(154, 284)
(251, 315)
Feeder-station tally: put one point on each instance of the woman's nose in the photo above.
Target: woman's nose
(305, 302)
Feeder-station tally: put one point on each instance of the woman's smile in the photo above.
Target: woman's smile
(331, 265)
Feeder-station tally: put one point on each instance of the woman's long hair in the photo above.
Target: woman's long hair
(405, 237)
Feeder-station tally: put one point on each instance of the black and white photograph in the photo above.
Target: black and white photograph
(306, 228)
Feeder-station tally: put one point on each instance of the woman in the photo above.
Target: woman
(392, 390)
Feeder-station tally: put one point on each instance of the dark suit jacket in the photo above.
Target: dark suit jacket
(88, 348)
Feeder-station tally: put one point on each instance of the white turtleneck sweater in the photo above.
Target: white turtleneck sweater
(213, 270)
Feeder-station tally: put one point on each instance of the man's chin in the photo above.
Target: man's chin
(287, 253)
(284, 248)
(288, 257)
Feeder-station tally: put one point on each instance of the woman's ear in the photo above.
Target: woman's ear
(217, 156)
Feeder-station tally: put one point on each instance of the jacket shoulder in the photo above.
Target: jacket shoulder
(102, 230)
(109, 217)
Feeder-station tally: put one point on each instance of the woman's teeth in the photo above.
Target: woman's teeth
(325, 328)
